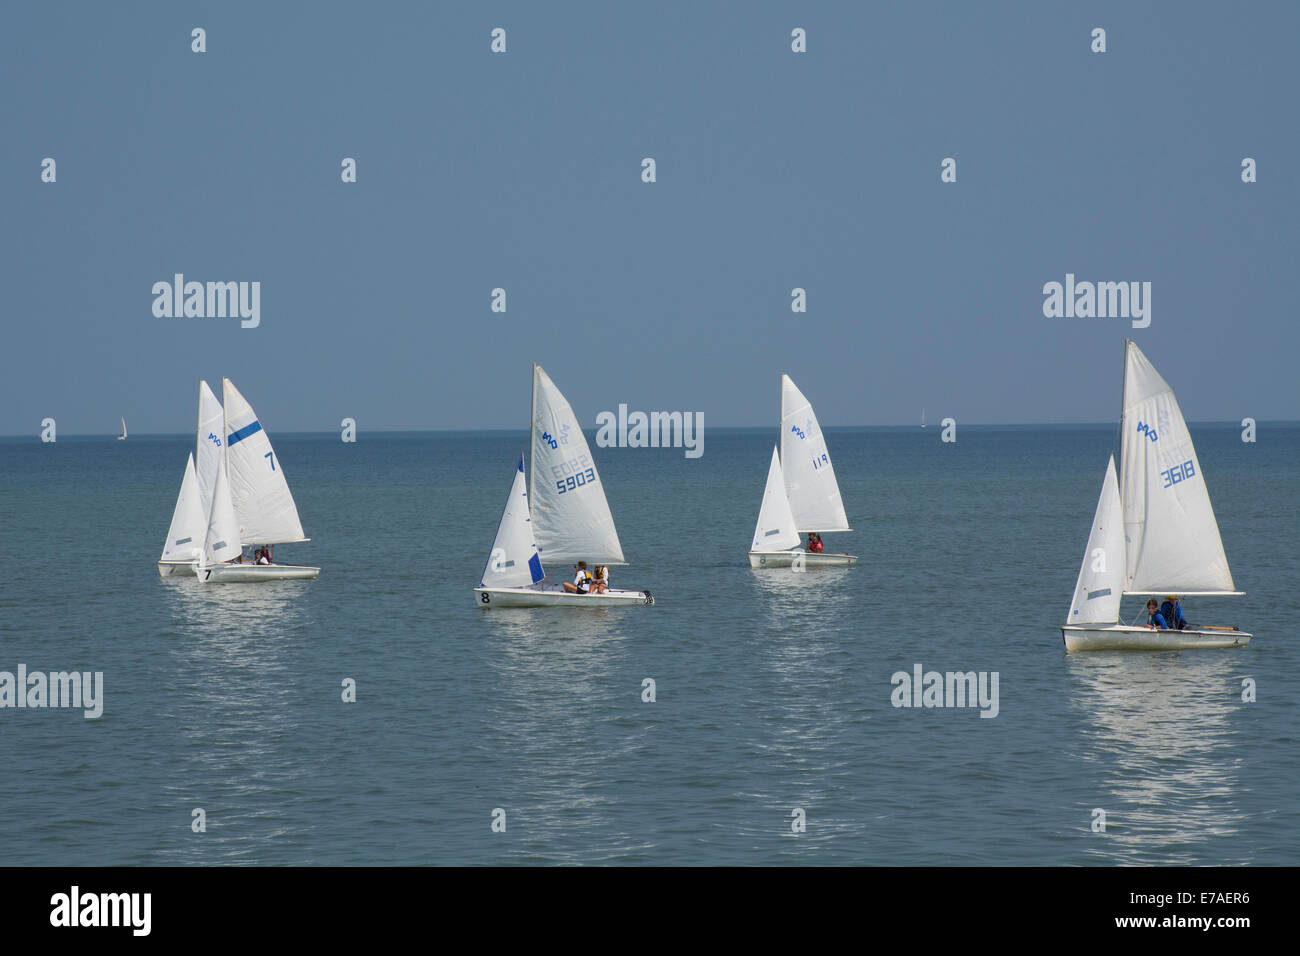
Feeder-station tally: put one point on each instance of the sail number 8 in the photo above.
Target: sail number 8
(1178, 473)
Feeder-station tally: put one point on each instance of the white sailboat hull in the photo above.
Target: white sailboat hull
(556, 597)
(1123, 637)
(167, 569)
(254, 573)
(786, 559)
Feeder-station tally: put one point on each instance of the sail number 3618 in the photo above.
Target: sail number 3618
(1178, 473)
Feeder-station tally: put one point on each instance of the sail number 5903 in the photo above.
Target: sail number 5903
(573, 482)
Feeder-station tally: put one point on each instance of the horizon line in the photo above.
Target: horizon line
(469, 431)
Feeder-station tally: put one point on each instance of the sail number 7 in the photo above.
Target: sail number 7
(271, 455)
(1178, 473)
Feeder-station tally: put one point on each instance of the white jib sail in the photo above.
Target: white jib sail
(221, 542)
(810, 481)
(514, 562)
(1173, 539)
(124, 428)
(775, 529)
(208, 442)
(189, 521)
(263, 503)
(1101, 578)
(571, 519)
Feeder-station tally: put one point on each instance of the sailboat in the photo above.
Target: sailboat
(802, 494)
(122, 437)
(923, 418)
(565, 519)
(190, 518)
(251, 503)
(1154, 531)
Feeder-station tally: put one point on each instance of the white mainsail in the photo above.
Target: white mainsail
(513, 561)
(571, 519)
(263, 503)
(809, 476)
(775, 530)
(221, 542)
(1101, 578)
(123, 435)
(189, 521)
(208, 444)
(1173, 542)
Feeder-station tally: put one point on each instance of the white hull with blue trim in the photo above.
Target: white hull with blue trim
(1154, 532)
(801, 494)
(573, 522)
(251, 504)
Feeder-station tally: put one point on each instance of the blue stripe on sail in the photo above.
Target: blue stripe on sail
(521, 462)
(236, 437)
(535, 568)
(1096, 594)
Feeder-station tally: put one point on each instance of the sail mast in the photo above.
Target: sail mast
(532, 425)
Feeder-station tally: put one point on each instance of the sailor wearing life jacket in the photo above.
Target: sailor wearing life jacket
(1172, 612)
(1154, 618)
(581, 582)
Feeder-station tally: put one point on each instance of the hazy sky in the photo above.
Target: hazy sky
(522, 170)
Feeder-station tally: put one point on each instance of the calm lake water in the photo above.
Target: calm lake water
(773, 688)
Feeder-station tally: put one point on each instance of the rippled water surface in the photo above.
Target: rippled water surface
(773, 688)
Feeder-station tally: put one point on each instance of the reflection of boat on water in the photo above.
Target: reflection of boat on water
(1161, 741)
(234, 615)
(790, 591)
(1154, 532)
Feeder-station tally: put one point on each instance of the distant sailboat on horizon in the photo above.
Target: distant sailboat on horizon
(922, 417)
(1154, 531)
(122, 437)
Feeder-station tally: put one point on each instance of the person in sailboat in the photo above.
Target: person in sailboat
(815, 543)
(1172, 612)
(581, 583)
(1155, 619)
(600, 583)
(263, 556)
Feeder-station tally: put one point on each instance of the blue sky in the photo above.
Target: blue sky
(522, 170)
